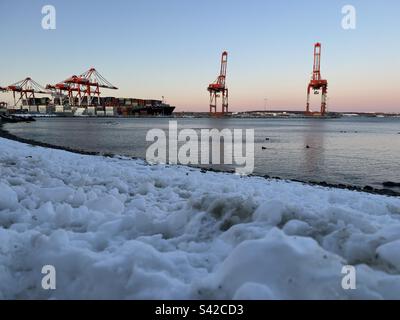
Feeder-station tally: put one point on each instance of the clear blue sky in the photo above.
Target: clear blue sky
(151, 48)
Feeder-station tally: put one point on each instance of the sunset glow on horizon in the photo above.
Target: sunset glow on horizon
(150, 49)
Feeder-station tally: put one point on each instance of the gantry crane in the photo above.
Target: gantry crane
(81, 86)
(218, 88)
(317, 84)
(57, 91)
(27, 89)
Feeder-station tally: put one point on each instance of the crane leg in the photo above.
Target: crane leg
(225, 101)
(308, 99)
(323, 101)
(213, 102)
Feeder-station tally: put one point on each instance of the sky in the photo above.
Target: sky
(172, 48)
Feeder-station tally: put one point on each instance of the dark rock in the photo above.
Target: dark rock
(108, 155)
(264, 148)
(388, 192)
(390, 184)
(368, 188)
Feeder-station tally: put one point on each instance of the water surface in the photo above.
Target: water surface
(357, 151)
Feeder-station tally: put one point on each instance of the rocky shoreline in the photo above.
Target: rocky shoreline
(366, 189)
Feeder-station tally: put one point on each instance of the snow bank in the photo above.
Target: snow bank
(118, 228)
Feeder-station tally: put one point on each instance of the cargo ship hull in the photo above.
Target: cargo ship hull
(163, 110)
(107, 106)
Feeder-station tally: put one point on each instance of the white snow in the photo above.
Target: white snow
(8, 198)
(116, 228)
(390, 253)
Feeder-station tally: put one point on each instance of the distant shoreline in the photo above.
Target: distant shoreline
(253, 114)
(367, 189)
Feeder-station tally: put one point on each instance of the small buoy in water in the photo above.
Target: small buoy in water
(308, 147)
(267, 139)
(264, 148)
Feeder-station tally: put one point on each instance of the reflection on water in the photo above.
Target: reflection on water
(314, 155)
(359, 151)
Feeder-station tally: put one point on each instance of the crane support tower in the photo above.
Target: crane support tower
(218, 89)
(317, 84)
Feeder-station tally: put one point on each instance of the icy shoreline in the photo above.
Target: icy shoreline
(120, 229)
(386, 191)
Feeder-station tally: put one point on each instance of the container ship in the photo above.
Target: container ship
(103, 106)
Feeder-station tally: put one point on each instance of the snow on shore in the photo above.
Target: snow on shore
(118, 228)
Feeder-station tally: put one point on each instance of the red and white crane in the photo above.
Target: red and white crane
(317, 84)
(218, 88)
(87, 85)
(26, 89)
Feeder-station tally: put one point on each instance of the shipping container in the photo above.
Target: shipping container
(33, 109)
(91, 111)
(44, 109)
(110, 111)
(59, 109)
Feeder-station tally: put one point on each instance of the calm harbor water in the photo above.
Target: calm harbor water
(357, 151)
